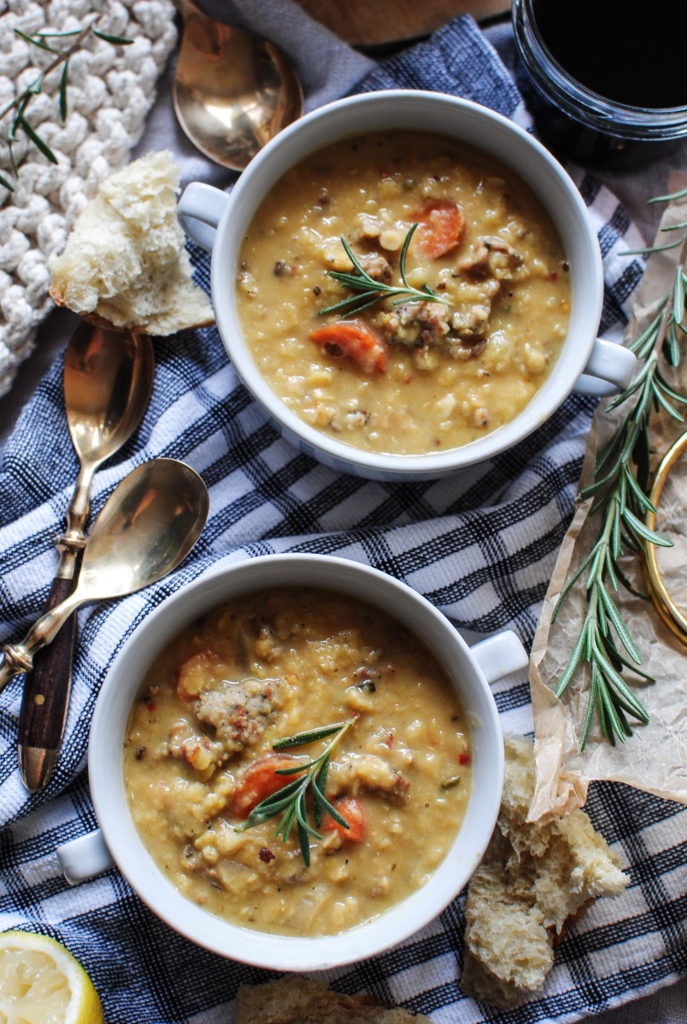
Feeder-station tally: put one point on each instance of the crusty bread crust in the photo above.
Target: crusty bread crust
(125, 264)
(297, 999)
(535, 881)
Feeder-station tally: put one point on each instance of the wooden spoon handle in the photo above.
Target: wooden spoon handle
(46, 696)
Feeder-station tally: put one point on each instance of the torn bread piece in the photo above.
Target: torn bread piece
(297, 999)
(535, 880)
(125, 263)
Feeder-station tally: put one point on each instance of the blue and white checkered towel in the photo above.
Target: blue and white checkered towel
(480, 545)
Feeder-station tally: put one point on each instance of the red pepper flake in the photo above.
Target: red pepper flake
(408, 380)
(389, 740)
(553, 276)
(464, 759)
(151, 705)
(266, 855)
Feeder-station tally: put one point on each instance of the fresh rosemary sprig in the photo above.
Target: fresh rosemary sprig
(290, 800)
(370, 291)
(20, 103)
(621, 495)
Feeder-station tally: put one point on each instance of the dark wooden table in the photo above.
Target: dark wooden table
(384, 22)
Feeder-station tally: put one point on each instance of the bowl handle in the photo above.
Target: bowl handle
(500, 655)
(200, 209)
(609, 370)
(84, 857)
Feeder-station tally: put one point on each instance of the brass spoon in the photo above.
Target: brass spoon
(108, 377)
(232, 90)
(147, 526)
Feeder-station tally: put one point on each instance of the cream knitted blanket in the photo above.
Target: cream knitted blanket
(110, 90)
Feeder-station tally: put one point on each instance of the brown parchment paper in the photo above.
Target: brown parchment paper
(655, 757)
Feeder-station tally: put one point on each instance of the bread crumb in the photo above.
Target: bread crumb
(535, 880)
(125, 263)
(297, 999)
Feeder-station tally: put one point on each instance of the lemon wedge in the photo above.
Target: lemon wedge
(42, 983)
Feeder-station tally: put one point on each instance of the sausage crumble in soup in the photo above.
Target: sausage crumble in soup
(199, 756)
(408, 374)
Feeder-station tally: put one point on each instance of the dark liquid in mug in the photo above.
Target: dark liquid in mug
(622, 51)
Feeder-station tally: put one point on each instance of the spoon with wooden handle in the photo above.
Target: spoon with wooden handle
(146, 527)
(108, 377)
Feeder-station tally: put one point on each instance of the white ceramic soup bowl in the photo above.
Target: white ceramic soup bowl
(219, 222)
(470, 671)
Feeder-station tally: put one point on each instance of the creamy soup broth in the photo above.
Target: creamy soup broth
(268, 666)
(436, 375)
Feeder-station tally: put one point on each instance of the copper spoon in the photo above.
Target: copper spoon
(232, 90)
(147, 526)
(108, 377)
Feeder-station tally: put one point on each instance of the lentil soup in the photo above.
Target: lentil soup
(474, 333)
(199, 757)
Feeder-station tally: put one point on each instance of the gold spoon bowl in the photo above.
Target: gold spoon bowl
(232, 90)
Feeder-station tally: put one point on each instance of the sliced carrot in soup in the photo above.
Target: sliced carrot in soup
(354, 339)
(352, 810)
(441, 228)
(260, 781)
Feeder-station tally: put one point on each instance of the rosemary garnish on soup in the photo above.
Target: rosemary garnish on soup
(369, 291)
(309, 777)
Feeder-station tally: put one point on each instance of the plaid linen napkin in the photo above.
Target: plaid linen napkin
(480, 545)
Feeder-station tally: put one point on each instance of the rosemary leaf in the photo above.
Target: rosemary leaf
(286, 824)
(602, 620)
(645, 533)
(319, 784)
(593, 700)
(613, 722)
(644, 501)
(679, 297)
(652, 249)
(649, 333)
(304, 844)
(570, 583)
(63, 91)
(57, 35)
(10, 151)
(642, 459)
(611, 571)
(671, 346)
(115, 40)
(300, 739)
(660, 400)
(35, 41)
(571, 667)
(667, 388)
(668, 198)
(620, 627)
(38, 141)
